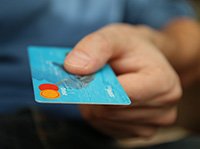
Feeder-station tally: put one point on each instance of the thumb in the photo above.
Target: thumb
(91, 53)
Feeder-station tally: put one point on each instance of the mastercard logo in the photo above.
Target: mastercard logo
(49, 91)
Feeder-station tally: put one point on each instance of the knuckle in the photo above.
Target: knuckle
(178, 92)
(95, 36)
(162, 83)
(101, 39)
(170, 91)
(98, 37)
(176, 89)
(99, 44)
(168, 83)
(174, 96)
(168, 119)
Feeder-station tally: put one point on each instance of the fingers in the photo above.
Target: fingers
(162, 116)
(126, 123)
(90, 54)
(118, 130)
(148, 86)
(141, 86)
(93, 51)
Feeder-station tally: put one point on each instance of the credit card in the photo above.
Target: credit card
(53, 84)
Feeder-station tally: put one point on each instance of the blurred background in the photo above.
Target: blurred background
(196, 4)
(190, 105)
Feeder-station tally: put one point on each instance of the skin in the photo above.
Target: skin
(144, 62)
(179, 42)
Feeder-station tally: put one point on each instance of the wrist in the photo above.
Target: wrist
(166, 45)
(179, 42)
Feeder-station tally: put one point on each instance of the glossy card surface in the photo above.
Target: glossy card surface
(53, 84)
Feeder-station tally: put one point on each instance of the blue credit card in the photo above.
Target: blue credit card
(53, 84)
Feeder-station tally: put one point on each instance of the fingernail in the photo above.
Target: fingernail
(77, 59)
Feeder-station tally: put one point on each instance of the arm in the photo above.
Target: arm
(179, 41)
(177, 35)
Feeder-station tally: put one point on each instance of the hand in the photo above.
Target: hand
(142, 70)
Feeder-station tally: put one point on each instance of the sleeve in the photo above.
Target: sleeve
(157, 13)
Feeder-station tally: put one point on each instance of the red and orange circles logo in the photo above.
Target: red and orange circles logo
(49, 91)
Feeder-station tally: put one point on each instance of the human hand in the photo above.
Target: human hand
(142, 70)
